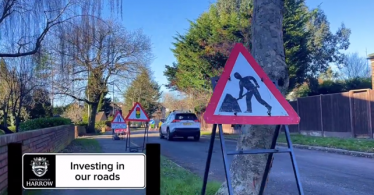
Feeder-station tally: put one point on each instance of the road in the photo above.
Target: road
(321, 173)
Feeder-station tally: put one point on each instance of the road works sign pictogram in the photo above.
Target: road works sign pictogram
(118, 122)
(137, 113)
(244, 94)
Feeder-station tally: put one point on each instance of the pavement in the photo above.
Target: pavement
(321, 173)
(108, 146)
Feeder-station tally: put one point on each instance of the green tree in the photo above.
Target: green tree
(324, 46)
(41, 106)
(295, 39)
(145, 91)
(309, 44)
(203, 51)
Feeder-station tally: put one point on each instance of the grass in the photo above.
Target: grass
(177, 180)
(83, 145)
(361, 145)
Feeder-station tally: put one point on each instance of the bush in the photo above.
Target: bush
(100, 124)
(41, 123)
(108, 123)
(82, 123)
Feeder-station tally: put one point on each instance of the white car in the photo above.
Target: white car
(180, 124)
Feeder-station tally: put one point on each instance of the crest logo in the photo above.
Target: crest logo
(39, 166)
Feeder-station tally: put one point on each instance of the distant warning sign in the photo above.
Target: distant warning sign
(244, 94)
(137, 113)
(118, 122)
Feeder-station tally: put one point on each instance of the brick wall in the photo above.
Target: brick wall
(46, 140)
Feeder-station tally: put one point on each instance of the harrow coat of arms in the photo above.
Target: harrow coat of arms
(39, 166)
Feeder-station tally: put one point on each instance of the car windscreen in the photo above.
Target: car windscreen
(185, 117)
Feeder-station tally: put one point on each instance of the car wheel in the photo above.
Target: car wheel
(168, 136)
(161, 136)
(196, 137)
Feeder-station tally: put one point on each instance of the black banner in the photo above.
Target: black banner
(153, 164)
(39, 171)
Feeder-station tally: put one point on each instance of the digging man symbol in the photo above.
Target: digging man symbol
(245, 82)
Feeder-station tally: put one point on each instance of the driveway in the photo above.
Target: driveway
(321, 173)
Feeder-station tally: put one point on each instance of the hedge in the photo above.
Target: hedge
(41, 123)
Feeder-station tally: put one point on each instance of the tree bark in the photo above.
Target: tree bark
(267, 48)
(91, 120)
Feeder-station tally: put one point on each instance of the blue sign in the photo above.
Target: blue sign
(151, 121)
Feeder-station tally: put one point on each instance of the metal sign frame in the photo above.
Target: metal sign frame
(128, 139)
(270, 151)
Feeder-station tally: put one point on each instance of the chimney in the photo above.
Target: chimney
(371, 58)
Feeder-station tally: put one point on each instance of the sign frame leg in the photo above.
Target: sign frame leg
(209, 158)
(225, 160)
(270, 159)
(145, 134)
(293, 161)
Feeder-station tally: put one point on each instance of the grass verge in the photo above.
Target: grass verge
(360, 145)
(177, 180)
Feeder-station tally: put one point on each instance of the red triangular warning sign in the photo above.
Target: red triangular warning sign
(137, 113)
(244, 94)
(118, 118)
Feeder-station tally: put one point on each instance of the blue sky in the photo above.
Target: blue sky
(161, 20)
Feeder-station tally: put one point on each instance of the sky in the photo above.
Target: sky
(163, 19)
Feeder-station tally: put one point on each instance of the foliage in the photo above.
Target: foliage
(58, 110)
(104, 104)
(41, 123)
(330, 86)
(74, 112)
(100, 124)
(201, 53)
(41, 106)
(145, 91)
(296, 16)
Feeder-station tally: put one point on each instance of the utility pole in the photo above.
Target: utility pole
(88, 94)
(113, 97)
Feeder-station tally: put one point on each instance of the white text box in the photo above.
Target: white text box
(128, 171)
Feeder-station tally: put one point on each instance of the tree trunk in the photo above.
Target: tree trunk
(18, 115)
(267, 48)
(5, 119)
(91, 120)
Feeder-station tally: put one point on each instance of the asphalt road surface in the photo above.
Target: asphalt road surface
(321, 173)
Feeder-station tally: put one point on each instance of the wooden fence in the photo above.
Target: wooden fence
(349, 114)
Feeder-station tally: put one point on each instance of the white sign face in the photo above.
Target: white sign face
(246, 95)
(118, 119)
(118, 126)
(137, 114)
